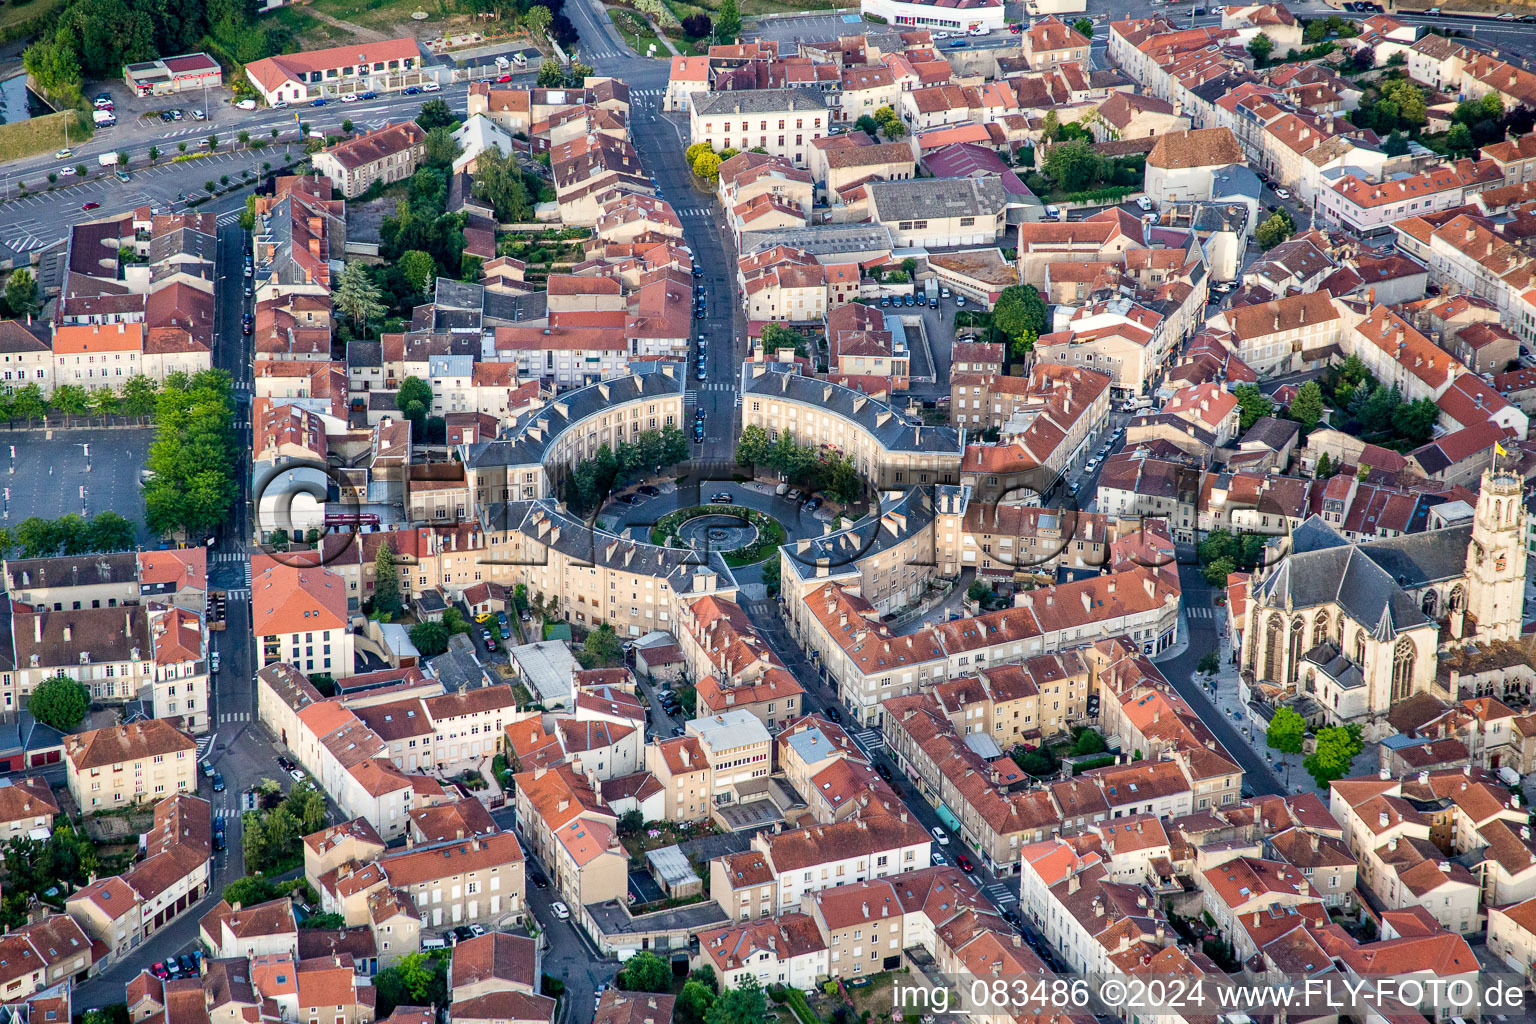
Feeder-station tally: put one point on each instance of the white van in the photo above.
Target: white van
(104, 118)
(503, 63)
(434, 943)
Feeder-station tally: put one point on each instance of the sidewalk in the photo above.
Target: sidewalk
(1226, 696)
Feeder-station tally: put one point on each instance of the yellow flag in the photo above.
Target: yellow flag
(1499, 448)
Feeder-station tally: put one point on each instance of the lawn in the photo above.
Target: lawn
(637, 33)
(389, 15)
(40, 135)
(20, 13)
(314, 33)
(748, 8)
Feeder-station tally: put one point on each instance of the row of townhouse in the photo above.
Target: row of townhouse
(373, 776)
(1448, 841)
(868, 664)
(127, 626)
(123, 912)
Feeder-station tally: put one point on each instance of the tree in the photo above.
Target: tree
(551, 74)
(1414, 422)
(386, 583)
(1210, 663)
(537, 19)
(631, 822)
(646, 972)
(1307, 406)
(499, 182)
(1275, 230)
(430, 638)
(418, 268)
(243, 137)
(154, 154)
(577, 74)
(602, 648)
(978, 591)
(1324, 467)
(1217, 570)
(1330, 758)
(139, 396)
(693, 1002)
(28, 403)
(414, 400)
(357, 297)
(727, 22)
(1459, 139)
(440, 147)
(752, 446)
(1088, 742)
(697, 26)
(434, 114)
(1286, 731)
(707, 167)
(212, 142)
(743, 1004)
(347, 126)
(1395, 144)
(21, 294)
(1254, 403)
(1020, 310)
(111, 532)
(250, 891)
(70, 399)
(60, 702)
(419, 979)
(1259, 48)
(1083, 27)
(1074, 165)
(103, 401)
(868, 125)
(692, 152)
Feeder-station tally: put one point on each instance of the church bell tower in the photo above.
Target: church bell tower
(1496, 557)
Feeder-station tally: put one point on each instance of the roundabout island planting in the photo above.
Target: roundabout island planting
(742, 536)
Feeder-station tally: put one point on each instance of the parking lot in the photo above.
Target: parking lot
(46, 475)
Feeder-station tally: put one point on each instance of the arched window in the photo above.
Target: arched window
(1458, 599)
(1403, 660)
(1431, 602)
(1272, 645)
(1319, 628)
(1360, 648)
(1293, 649)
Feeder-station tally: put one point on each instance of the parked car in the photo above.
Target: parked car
(813, 505)
(414, 90)
(940, 836)
(188, 965)
(937, 858)
(833, 712)
(285, 764)
(1283, 193)
(349, 98)
(218, 783)
(198, 115)
(722, 498)
(90, 206)
(322, 101)
(208, 771)
(297, 775)
(964, 862)
(369, 95)
(431, 87)
(649, 490)
(560, 910)
(159, 971)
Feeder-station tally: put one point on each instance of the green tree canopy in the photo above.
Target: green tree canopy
(435, 114)
(250, 891)
(499, 182)
(1286, 731)
(706, 167)
(1020, 310)
(1307, 407)
(1074, 165)
(387, 600)
(1254, 403)
(414, 400)
(357, 298)
(21, 294)
(1331, 757)
(1275, 230)
(1260, 47)
(743, 1004)
(727, 22)
(430, 638)
(602, 648)
(418, 268)
(60, 702)
(646, 972)
(551, 74)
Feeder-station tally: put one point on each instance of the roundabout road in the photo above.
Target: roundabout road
(646, 512)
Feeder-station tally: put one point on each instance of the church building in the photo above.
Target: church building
(1352, 628)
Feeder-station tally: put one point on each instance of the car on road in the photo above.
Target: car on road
(833, 712)
(722, 498)
(1507, 16)
(1432, 12)
(247, 325)
(322, 101)
(539, 881)
(279, 105)
(369, 95)
(677, 730)
(297, 775)
(285, 764)
(597, 997)
(220, 844)
(882, 771)
(940, 836)
(215, 662)
(933, 303)
(936, 858)
(1283, 193)
(246, 105)
(649, 490)
(1144, 203)
(698, 433)
(188, 965)
(218, 783)
(431, 87)
(349, 98)
(964, 862)
(198, 115)
(159, 971)
(207, 767)
(504, 79)
(414, 90)
(813, 505)
(90, 206)
(560, 910)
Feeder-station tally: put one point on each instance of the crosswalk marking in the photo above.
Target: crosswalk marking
(1000, 894)
(229, 218)
(230, 556)
(690, 397)
(235, 716)
(247, 574)
(239, 593)
(1201, 612)
(869, 739)
(691, 211)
